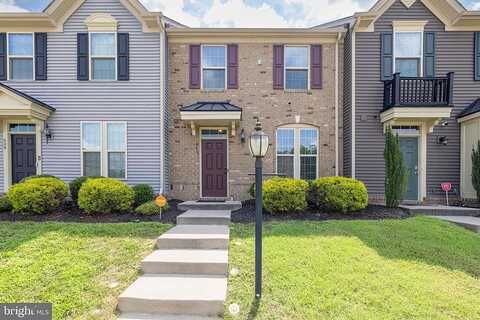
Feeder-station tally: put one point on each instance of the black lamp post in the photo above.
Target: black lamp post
(258, 149)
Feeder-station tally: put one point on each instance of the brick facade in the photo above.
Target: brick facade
(257, 98)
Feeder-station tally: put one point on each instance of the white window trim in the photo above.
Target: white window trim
(213, 68)
(91, 56)
(285, 68)
(20, 57)
(296, 149)
(104, 147)
(420, 74)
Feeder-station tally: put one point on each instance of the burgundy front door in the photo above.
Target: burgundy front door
(214, 168)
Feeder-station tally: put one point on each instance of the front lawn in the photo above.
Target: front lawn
(417, 268)
(80, 268)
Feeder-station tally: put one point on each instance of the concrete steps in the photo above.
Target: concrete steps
(175, 294)
(210, 206)
(186, 278)
(470, 223)
(213, 262)
(195, 237)
(201, 217)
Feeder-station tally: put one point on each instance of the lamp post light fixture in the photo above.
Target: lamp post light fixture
(258, 149)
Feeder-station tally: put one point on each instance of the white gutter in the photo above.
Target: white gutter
(162, 104)
(337, 157)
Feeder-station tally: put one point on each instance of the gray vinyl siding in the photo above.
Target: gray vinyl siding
(347, 105)
(136, 101)
(454, 54)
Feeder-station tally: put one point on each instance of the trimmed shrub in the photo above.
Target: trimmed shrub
(5, 204)
(282, 195)
(150, 209)
(476, 169)
(38, 196)
(105, 195)
(75, 186)
(338, 194)
(143, 194)
(37, 177)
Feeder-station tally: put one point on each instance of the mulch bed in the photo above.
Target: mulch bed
(373, 212)
(76, 215)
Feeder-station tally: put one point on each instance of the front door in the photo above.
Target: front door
(214, 168)
(24, 162)
(409, 148)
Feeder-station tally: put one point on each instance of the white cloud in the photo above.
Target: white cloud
(174, 9)
(320, 11)
(476, 6)
(10, 6)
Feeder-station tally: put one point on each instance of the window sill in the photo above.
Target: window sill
(213, 90)
(297, 91)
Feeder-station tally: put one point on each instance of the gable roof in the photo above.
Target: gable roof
(451, 12)
(52, 18)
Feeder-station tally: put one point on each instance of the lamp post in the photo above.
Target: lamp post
(258, 149)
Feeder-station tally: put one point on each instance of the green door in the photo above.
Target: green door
(409, 147)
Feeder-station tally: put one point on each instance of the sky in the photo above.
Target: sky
(241, 13)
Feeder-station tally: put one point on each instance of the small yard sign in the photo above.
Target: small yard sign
(446, 186)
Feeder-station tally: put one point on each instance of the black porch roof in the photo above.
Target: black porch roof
(471, 109)
(214, 106)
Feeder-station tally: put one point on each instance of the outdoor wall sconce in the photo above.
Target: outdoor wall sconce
(442, 140)
(242, 136)
(48, 133)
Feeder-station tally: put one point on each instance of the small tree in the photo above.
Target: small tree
(395, 170)
(476, 169)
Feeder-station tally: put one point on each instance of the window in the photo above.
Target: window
(103, 56)
(408, 53)
(297, 152)
(20, 56)
(296, 67)
(214, 65)
(104, 149)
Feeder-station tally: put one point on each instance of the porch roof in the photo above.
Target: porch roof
(473, 108)
(214, 106)
(14, 103)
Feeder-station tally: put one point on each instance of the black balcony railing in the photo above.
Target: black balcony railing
(418, 92)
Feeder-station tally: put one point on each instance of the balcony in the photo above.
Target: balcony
(418, 92)
(419, 101)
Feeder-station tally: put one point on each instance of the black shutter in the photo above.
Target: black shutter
(40, 56)
(429, 55)
(123, 58)
(386, 67)
(82, 57)
(477, 56)
(3, 56)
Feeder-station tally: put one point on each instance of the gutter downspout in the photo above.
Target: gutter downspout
(162, 103)
(337, 157)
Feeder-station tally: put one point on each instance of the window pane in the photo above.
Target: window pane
(91, 136)
(213, 56)
(308, 141)
(296, 57)
(285, 141)
(308, 168)
(116, 164)
(103, 69)
(20, 44)
(21, 69)
(103, 44)
(285, 166)
(214, 79)
(407, 67)
(116, 136)
(297, 79)
(408, 44)
(91, 164)
(22, 127)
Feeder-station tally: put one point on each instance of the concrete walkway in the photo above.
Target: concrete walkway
(186, 278)
(470, 223)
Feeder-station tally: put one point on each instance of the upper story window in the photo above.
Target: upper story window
(297, 152)
(296, 67)
(214, 65)
(103, 55)
(20, 56)
(408, 53)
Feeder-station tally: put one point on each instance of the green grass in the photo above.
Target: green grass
(418, 268)
(80, 268)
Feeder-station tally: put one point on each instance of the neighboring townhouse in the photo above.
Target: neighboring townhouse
(220, 80)
(82, 92)
(414, 65)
